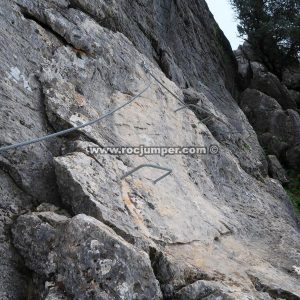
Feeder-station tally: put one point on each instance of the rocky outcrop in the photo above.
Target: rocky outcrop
(291, 77)
(276, 129)
(272, 108)
(270, 85)
(14, 276)
(198, 233)
(89, 259)
(295, 95)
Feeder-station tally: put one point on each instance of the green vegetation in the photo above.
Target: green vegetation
(272, 27)
(293, 190)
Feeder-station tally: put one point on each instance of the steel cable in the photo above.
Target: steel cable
(66, 131)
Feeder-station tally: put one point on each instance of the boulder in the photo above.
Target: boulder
(293, 157)
(89, 259)
(259, 109)
(278, 130)
(254, 74)
(270, 85)
(295, 95)
(35, 236)
(103, 200)
(291, 77)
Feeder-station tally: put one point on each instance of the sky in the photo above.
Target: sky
(224, 15)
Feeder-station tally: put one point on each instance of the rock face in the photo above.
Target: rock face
(89, 259)
(270, 85)
(272, 108)
(14, 276)
(276, 170)
(277, 129)
(291, 77)
(218, 226)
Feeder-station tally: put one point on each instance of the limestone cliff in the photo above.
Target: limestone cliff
(272, 106)
(217, 228)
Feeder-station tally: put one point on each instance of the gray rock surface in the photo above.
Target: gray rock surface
(272, 109)
(202, 289)
(244, 67)
(89, 259)
(291, 77)
(212, 290)
(172, 37)
(278, 130)
(293, 157)
(276, 170)
(55, 294)
(13, 275)
(215, 220)
(270, 85)
(295, 95)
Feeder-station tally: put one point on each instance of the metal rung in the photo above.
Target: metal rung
(169, 171)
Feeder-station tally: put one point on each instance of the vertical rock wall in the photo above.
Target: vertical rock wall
(218, 226)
